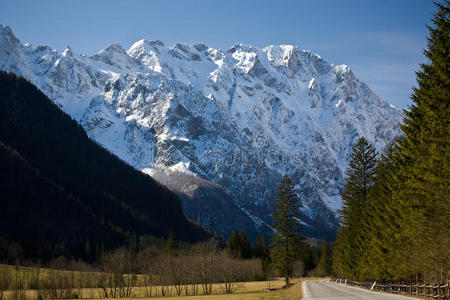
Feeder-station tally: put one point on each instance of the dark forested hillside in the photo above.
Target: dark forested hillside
(59, 189)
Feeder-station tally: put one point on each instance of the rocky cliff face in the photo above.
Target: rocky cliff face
(231, 123)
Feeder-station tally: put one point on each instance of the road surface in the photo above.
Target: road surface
(326, 290)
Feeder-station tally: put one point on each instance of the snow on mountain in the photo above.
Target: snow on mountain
(240, 118)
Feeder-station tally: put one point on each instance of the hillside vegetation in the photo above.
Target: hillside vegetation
(63, 194)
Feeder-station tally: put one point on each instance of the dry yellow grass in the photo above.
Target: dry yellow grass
(241, 289)
(257, 290)
(254, 291)
(244, 290)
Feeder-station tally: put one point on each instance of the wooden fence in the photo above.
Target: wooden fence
(431, 290)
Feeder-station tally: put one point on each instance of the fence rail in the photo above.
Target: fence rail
(440, 290)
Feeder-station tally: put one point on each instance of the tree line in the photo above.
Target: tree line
(165, 269)
(396, 216)
(172, 270)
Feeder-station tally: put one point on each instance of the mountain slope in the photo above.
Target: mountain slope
(39, 215)
(60, 186)
(240, 118)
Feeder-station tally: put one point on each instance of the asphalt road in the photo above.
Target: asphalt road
(326, 290)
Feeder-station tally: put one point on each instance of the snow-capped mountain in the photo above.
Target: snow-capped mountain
(240, 118)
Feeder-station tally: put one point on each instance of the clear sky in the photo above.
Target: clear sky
(381, 40)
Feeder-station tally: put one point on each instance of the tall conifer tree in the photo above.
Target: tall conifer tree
(287, 227)
(324, 265)
(381, 223)
(360, 177)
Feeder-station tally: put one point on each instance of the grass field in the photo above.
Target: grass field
(244, 290)
(256, 290)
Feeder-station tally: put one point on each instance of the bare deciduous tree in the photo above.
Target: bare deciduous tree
(146, 262)
(117, 279)
(5, 281)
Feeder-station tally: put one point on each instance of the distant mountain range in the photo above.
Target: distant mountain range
(220, 128)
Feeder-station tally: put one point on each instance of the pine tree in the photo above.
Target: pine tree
(233, 244)
(360, 176)
(245, 249)
(170, 243)
(261, 250)
(381, 223)
(424, 171)
(287, 227)
(238, 245)
(324, 265)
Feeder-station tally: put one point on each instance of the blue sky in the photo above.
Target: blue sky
(381, 40)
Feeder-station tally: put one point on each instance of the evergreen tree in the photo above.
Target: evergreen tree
(238, 245)
(261, 250)
(381, 223)
(245, 249)
(171, 243)
(286, 226)
(360, 177)
(324, 265)
(233, 244)
(424, 171)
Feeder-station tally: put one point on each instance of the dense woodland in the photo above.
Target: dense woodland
(62, 193)
(396, 215)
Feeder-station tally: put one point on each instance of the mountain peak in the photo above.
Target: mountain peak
(6, 30)
(115, 55)
(115, 47)
(146, 44)
(242, 47)
(343, 69)
(67, 52)
(7, 38)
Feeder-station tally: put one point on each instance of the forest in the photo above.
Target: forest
(396, 217)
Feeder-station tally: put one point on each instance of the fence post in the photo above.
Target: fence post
(448, 289)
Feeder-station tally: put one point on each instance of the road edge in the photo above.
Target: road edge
(305, 291)
(377, 292)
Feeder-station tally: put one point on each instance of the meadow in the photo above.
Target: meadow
(32, 283)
